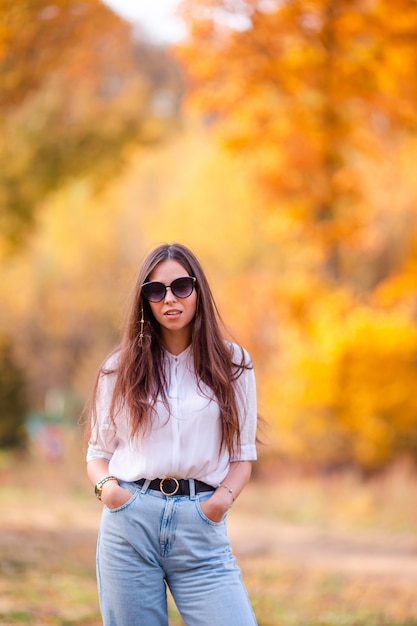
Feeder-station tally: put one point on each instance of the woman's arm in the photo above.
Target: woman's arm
(224, 496)
(112, 494)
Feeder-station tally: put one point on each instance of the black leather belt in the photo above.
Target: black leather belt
(171, 486)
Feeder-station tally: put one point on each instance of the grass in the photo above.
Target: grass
(313, 551)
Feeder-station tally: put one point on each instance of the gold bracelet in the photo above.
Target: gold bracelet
(99, 486)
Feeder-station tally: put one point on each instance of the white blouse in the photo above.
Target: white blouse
(184, 440)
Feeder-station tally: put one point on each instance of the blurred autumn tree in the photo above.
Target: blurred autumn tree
(316, 100)
(304, 213)
(13, 401)
(303, 90)
(77, 90)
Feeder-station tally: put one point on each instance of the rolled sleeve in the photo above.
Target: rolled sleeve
(248, 412)
(103, 439)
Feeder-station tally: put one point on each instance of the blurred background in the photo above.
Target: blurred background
(278, 140)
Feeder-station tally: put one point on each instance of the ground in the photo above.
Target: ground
(313, 551)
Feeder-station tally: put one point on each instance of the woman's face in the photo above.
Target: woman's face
(175, 315)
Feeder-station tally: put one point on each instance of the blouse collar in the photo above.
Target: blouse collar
(179, 358)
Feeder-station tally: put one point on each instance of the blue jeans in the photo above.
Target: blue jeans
(155, 540)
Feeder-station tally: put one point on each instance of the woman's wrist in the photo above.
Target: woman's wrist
(111, 494)
(226, 495)
(232, 493)
(98, 489)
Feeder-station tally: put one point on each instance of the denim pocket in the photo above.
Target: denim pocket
(204, 517)
(127, 504)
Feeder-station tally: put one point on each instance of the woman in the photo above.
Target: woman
(172, 438)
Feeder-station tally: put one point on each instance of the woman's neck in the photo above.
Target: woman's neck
(176, 342)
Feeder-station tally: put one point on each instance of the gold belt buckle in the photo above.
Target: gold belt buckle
(177, 486)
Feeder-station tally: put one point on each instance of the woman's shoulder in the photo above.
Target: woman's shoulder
(110, 363)
(239, 354)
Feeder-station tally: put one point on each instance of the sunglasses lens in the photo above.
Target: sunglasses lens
(183, 287)
(154, 291)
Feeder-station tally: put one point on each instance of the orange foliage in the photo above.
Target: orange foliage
(77, 92)
(355, 374)
(316, 100)
(313, 181)
(303, 90)
(39, 40)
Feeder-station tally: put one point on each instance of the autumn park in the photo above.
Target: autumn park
(278, 140)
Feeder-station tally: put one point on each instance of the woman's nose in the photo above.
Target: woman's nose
(169, 295)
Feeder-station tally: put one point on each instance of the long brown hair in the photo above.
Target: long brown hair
(139, 371)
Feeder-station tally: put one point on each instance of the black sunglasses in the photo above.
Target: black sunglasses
(180, 287)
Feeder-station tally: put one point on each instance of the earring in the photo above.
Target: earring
(142, 321)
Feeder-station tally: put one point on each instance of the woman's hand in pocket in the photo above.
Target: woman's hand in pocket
(215, 507)
(114, 496)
